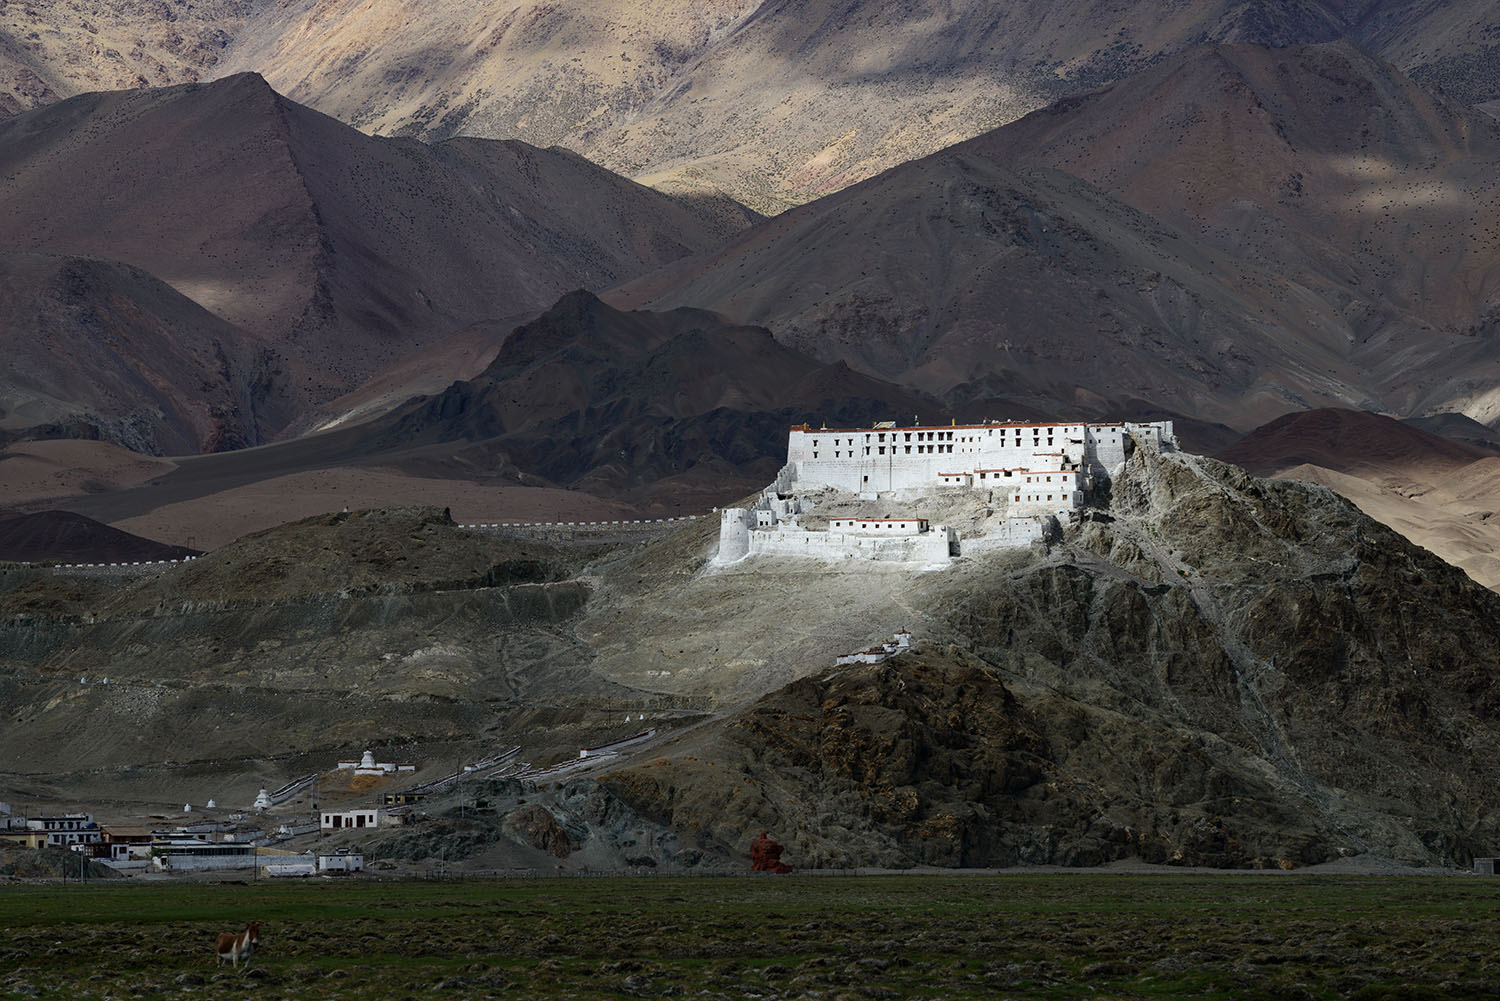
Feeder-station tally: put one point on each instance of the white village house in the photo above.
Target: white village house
(67, 829)
(334, 820)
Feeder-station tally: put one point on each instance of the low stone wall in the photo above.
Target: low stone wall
(1010, 534)
(587, 532)
(929, 547)
(207, 863)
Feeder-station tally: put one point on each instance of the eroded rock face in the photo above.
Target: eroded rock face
(765, 856)
(1216, 670)
(537, 827)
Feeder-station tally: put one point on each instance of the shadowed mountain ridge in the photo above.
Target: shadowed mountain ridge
(336, 251)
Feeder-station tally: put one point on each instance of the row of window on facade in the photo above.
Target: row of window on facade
(896, 436)
(921, 449)
(940, 436)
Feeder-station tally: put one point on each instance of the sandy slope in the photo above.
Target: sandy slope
(38, 471)
(1452, 515)
(1439, 493)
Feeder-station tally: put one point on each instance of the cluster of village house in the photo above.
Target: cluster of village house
(184, 847)
(233, 842)
(238, 841)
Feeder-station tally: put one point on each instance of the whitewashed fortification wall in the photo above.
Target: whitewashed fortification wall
(1044, 471)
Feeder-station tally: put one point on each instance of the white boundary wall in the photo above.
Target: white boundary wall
(933, 546)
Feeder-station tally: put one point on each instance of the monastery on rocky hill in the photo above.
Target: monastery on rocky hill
(1040, 472)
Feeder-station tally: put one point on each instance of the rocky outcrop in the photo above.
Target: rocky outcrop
(765, 855)
(1216, 670)
(533, 825)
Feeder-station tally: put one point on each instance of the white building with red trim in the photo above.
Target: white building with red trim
(1041, 470)
(887, 458)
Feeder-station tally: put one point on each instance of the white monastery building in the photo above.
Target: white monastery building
(885, 458)
(1040, 471)
(333, 820)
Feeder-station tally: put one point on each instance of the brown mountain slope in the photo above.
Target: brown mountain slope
(965, 275)
(62, 536)
(586, 412)
(98, 349)
(780, 101)
(1324, 165)
(1350, 441)
(340, 251)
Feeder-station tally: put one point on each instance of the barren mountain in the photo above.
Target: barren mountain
(1350, 441)
(60, 48)
(778, 102)
(587, 412)
(99, 349)
(775, 102)
(610, 402)
(340, 252)
(65, 537)
(1364, 193)
(1249, 231)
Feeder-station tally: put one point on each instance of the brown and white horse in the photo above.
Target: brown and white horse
(237, 947)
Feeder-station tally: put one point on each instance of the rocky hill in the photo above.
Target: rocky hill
(681, 404)
(1436, 491)
(392, 626)
(1217, 670)
(1208, 669)
(322, 254)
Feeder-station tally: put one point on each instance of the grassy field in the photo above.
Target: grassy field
(1024, 936)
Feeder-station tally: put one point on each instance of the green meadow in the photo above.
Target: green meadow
(1023, 936)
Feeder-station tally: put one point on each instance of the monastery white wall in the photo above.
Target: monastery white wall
(880, 527)
(932, 546)
(878, 460)
(1051, 493)
(1009, 534)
